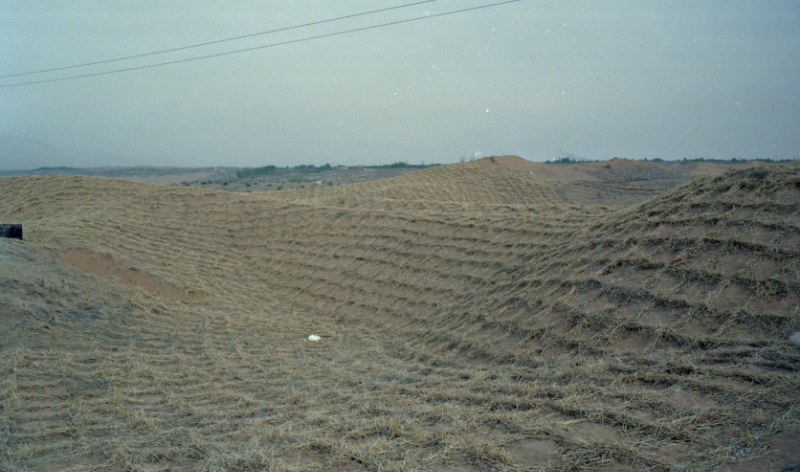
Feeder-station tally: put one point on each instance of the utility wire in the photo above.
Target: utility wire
(328, 35)
(213, 42)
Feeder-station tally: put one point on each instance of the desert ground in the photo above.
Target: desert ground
(494, 315)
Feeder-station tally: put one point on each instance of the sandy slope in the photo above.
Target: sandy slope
(474, 317)
(570, 173)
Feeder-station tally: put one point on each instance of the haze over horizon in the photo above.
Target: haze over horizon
(618, 78)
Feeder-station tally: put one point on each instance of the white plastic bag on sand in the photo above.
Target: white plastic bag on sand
(314, 337)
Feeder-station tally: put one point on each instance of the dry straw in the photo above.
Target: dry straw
(474, 317)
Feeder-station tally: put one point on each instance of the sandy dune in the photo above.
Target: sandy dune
(494, 315)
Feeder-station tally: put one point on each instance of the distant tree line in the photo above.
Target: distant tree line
(735, 160)
(255, 171)
(251, 172)
(50, 169)
(402, 165)
(569, 160)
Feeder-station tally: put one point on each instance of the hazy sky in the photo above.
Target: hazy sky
(599, 79)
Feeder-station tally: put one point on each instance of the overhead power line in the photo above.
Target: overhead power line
(238, 51)
(212, 42)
